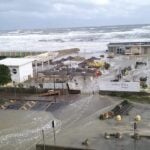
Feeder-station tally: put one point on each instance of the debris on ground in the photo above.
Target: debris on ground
(121, 109)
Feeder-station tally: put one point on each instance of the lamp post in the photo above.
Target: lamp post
(53, 126)
(43, 139)
(54, 86)
(136, 120)
(118, 119)
(136, 136)
(54, 81)
(62, 84)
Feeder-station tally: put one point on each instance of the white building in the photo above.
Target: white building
(21, 68)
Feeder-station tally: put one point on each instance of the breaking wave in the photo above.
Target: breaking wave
(89, 38)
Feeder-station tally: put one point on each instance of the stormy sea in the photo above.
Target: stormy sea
(88, 39)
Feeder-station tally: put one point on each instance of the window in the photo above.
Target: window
(119, 51)
(14, 71)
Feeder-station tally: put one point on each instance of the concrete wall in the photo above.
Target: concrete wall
(119, 86)
(49, 85)
(51, 147)
(19, 53)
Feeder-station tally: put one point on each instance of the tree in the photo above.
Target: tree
(5, 76)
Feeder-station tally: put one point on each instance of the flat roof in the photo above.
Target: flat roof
(131, 43)
(15, 61)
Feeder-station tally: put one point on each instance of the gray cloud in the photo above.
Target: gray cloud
(57, 13)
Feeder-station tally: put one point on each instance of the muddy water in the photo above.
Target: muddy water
(21, 130)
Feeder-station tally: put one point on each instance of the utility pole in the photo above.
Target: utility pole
(135, 127)
(136, 136)
(43, 139)
(53, 126)
(63, 84)
(54, 87)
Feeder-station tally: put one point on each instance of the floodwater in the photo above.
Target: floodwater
(22, 130)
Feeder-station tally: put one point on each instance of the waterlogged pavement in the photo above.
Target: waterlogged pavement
(21, 130)
(80, 121)
(93, 129)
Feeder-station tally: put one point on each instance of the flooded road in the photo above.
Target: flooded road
(22, 130)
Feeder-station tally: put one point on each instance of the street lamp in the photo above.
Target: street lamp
(136, 120)
(118, 118)
(54, 86)
(136, 135)
(54, 134)
(118, 135)
(43, 136)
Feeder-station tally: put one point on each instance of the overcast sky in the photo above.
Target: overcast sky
(19, 14)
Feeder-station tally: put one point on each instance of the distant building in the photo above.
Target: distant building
(21, 68)
(129, 48)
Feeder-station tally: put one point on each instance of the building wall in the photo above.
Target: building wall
(21, 73)
(15, 76)
(128, 51)
(49, 85)
(141, 50)
(148, 50)
(135, 49)
(25, 71)
(145, 50)
(116, 49)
